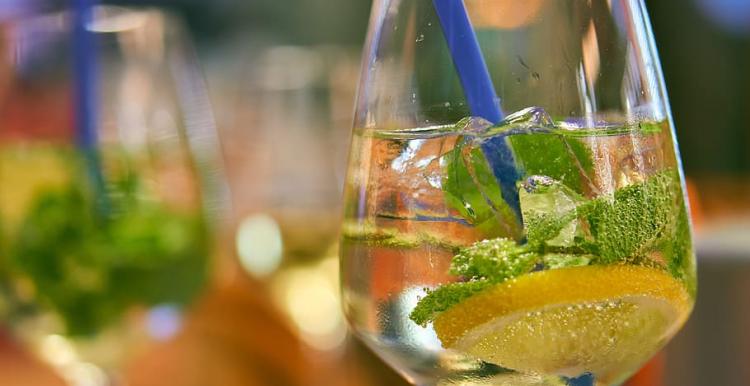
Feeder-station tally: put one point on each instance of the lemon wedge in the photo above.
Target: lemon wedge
(604, 320)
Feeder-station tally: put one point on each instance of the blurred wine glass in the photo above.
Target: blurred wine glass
(107, 185)
(285, 141)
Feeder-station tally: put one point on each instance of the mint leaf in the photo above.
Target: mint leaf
(495, 260)
(678, 249)
(541, 228)
(625, 225)
(472, 190)
(651, 127)
(444, 297)
(556, 156)
(549, 212)
(485, 263)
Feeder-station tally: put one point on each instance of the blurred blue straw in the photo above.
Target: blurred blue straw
(86, 110)
(84, 73)
(479, 91)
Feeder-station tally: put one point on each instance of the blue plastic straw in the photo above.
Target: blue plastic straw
(84, 73)
(467, 57)
(86, 109)
(479, 91)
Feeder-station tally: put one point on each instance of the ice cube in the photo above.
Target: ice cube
(483, 173)
(531, 117)
(498, 152)
(476, 194)
(549, 210)
(475, 126)
(528, 120)
(406, 177)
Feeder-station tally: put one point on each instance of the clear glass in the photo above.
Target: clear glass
(574, 265)
(107, 183)
(286, 138)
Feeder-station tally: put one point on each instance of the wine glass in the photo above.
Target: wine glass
(514, 207)
(106, 185)
(287, 115)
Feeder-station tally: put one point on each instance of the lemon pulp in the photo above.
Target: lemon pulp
(604, 320)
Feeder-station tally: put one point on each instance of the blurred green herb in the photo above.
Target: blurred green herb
(91, 268)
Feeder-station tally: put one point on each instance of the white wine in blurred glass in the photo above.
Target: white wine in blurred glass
(106, 185)
(286, 154)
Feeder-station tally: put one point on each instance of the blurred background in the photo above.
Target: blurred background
(281, 75)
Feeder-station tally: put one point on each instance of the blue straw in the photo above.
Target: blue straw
(479, 91)
(468, 60)
(85, 73)
(86, 110)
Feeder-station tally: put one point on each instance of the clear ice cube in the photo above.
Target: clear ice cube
(528, 120)
(483, 177)
(473, 126)
(544, 197)
(531, 116)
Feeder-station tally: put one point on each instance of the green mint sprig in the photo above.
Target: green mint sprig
(624, 227)
(634, 219)
(496, 260)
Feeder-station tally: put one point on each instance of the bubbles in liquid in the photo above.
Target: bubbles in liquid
(571, 340)
(404, 193)
(542, 196)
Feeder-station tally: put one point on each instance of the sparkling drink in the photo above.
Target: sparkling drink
(587, 277)
(544, 245)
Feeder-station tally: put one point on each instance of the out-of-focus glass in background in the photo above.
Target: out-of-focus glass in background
(282, 76)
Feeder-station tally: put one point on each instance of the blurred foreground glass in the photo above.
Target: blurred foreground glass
(551, 247)
(106, 182)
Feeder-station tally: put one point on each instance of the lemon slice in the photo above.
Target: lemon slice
(606, 320)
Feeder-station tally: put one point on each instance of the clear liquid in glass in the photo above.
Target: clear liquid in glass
(595, 315)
